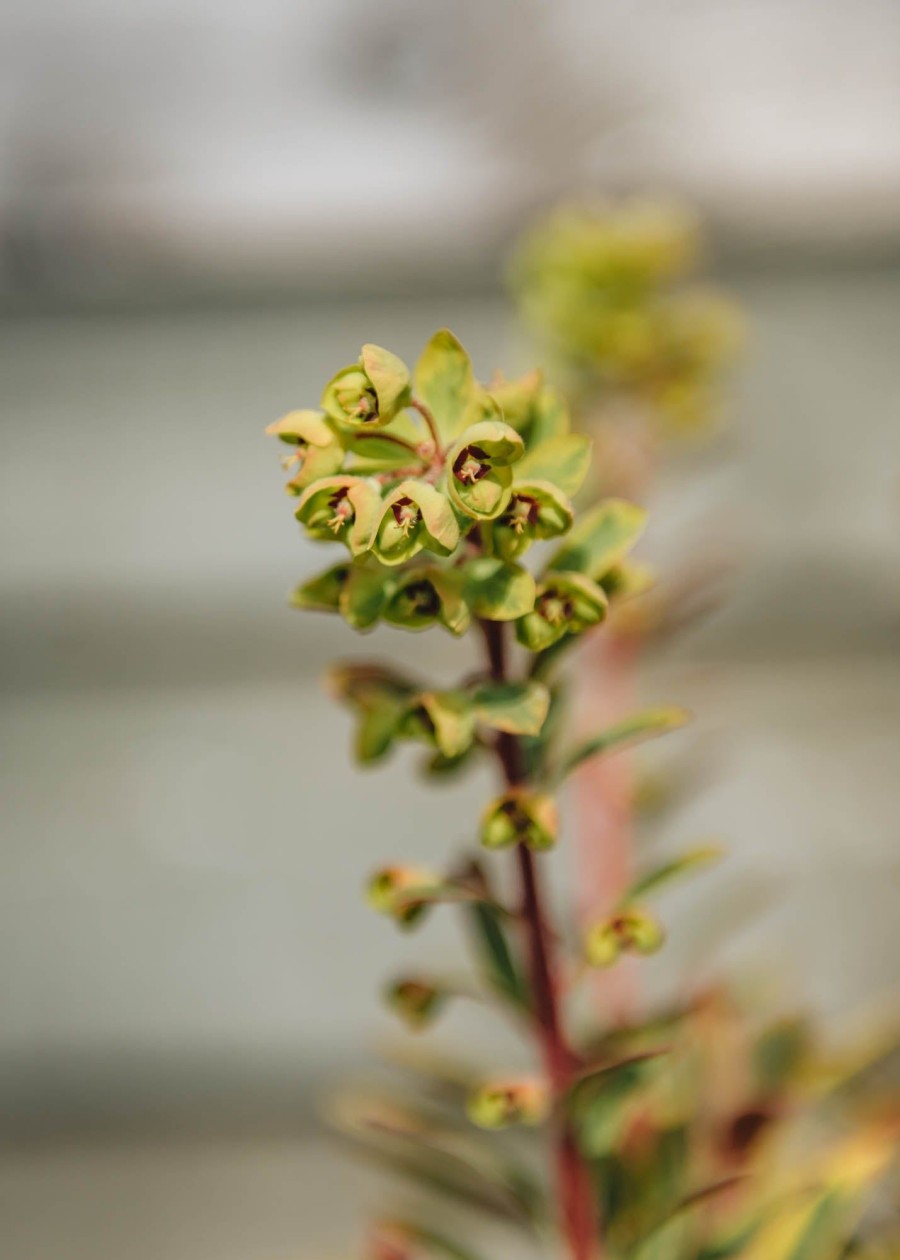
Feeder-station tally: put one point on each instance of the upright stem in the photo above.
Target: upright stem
(576, 1193)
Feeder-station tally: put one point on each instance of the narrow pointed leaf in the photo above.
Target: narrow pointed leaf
(489, 935)
(669, 871)
(632, 730)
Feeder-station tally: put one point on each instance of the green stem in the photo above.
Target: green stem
(576, 1192)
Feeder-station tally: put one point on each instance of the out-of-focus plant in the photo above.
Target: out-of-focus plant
(610, 291)
(451, 504)
(642, 351)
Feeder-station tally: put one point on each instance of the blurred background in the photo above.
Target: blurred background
(204, 211)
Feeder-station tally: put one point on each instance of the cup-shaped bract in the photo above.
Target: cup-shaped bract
(392, 890)
(629, 929)
(425, 595)
(370, 393)
(414, 515)
(479, 468)
(341, 509)
(318, 450)
(536, 510)
(416, 1001)
(520, 816)
(498, 1104)
(565, 603)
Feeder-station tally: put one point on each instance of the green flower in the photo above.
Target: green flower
(414, 515)
(628, 930)
(417, 1002)
(520, 817)
(393, 890)
(368, 394)
(566, 603)
(513, 1100)
(318, 449)
(342, 509)
(479, 473)
(423, 596)
(536, 509)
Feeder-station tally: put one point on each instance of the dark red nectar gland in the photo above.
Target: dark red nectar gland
(554, 608)
(523, 511)
(342, 510)
(406, 514)
(471, 465)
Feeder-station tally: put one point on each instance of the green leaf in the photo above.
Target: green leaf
(564, 461)
(384, 451)
(453, 718)
(494, 953)
(498, 591)
(363, 596)
(669, 871)
(378, 727)
(458, 1167)
(629, 731)
(445, 382)
(517, 708)
(598, 1101)
(601, 538)
(323, 592)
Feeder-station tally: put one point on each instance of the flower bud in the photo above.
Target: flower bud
(318, 451)
(342, 509)
(417, 1002)
(414, 515)
(479, 473)
(628, 930)
(514, 1100)
(520, 817)
(393, 891)
(368, 395)
(535, 510)
(565, 603)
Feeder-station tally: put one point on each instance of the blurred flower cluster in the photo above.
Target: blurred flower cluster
(609, 290)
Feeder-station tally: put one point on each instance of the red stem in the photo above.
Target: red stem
(576, 1192)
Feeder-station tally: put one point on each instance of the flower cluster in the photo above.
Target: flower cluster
(608, 286)
(437, 487)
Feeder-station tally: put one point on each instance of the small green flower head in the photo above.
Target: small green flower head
(368, 394)
(318, 450)
(479, 472)
(417, 1002)
(520, 817)
(414, 515)
(514, 1100)
(340, 509)
(566, 603)
(536, 509)
(393, 890)
(628, 930)
(423, 596)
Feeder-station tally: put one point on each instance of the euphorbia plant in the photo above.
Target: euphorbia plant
(451, 502)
